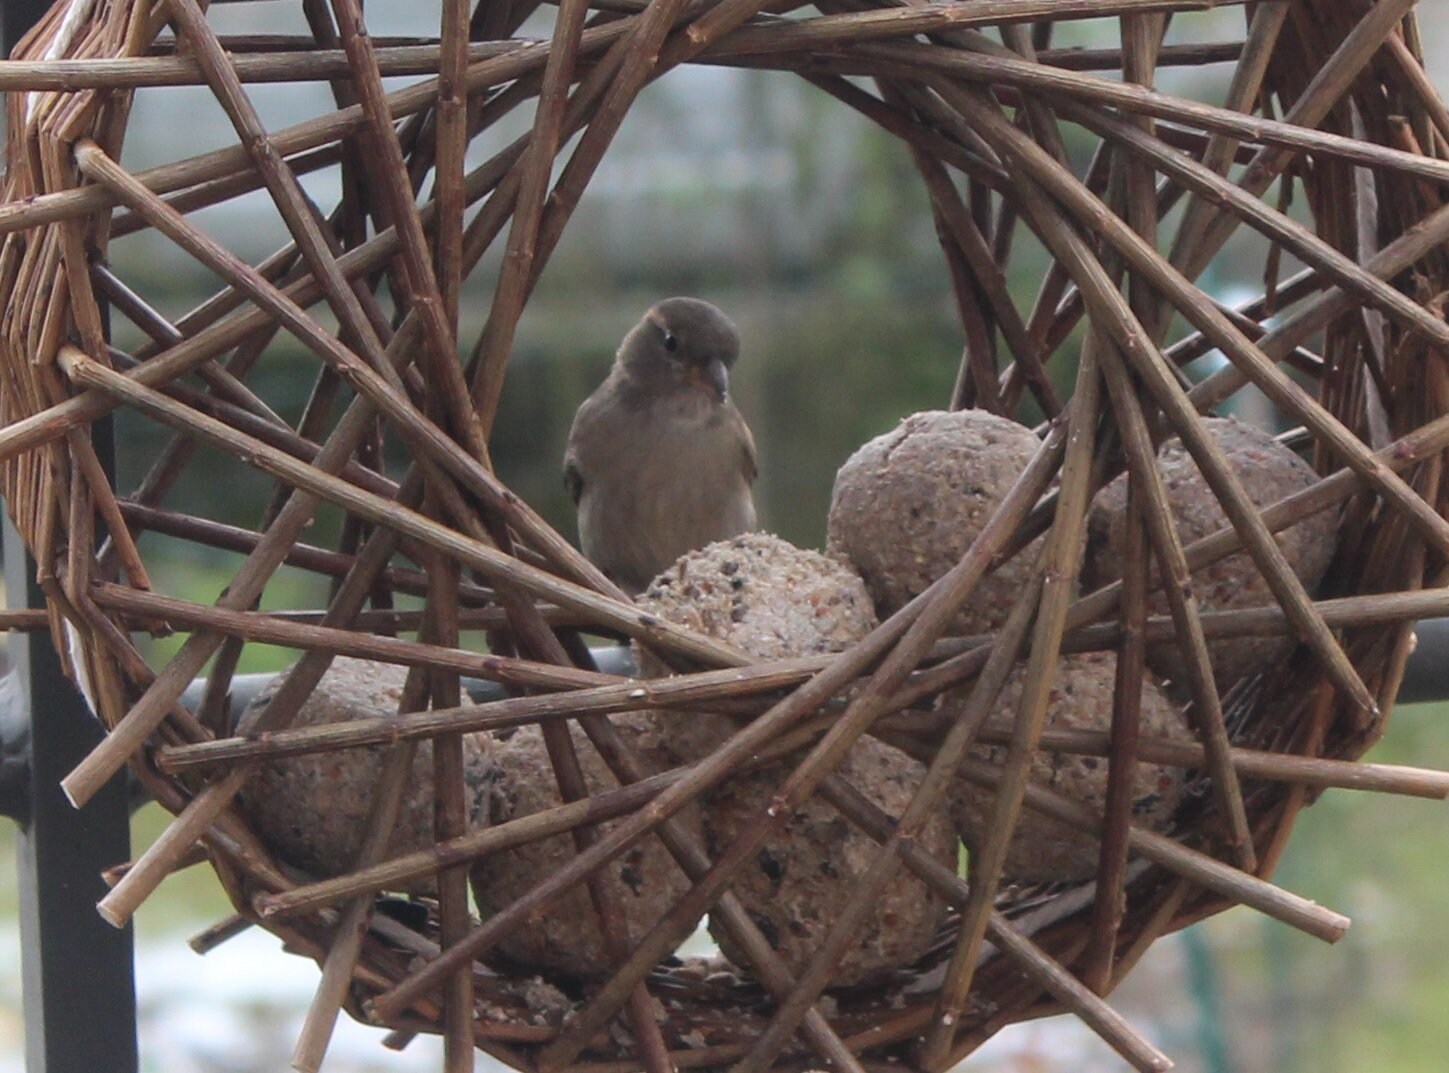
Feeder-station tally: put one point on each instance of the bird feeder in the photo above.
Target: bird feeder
(1328, 102)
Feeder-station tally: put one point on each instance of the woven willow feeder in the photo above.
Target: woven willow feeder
(1329, 98)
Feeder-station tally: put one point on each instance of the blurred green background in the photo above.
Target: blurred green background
(811, 229)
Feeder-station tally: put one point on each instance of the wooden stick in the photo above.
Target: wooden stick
(439, 355)
(208, 939)
(1207, 711)
(200, 813)
(535, 170)
(27, 619)
(450, 814)
(602, 105)
(147, 714)
(342, 955)
(1140, 44)
(262, 627)
(1059, 566)
(935, 17)
(227, 387)
(1243, 93)
(1255, 763)
(136, 72)
(1078, 58)
(1221, 878)
(987, 275)
(304, 556)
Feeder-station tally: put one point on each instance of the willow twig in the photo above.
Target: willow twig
(1059, 564)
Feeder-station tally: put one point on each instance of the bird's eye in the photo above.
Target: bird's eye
(671, 342)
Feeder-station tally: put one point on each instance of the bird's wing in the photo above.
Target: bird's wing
(585, 428)
(749, 463)
(573, 479)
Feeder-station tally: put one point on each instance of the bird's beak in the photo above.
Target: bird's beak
(714, 377)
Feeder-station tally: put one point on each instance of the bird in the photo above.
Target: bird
(659, 460)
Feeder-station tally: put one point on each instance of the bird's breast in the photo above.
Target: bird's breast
(673, 486)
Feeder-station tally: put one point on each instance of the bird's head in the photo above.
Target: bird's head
(682, 344)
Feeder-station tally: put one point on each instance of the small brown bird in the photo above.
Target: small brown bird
(659, 460)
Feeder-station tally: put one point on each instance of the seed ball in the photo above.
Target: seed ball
(314, 811)
(1268, 471)
(1044, 850)
(909, 503)
(775, 601)
(762, 595)
(644, 882)
(799, 882)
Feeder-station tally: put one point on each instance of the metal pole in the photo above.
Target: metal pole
(1426, 677)
(16, 18)
(77, 972)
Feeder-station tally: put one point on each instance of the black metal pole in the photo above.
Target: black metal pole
(1426, 677)
(77, 972)
(17, 17)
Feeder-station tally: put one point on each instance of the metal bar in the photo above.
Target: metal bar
(77, 975)
(17, 17)
(1426, 677)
